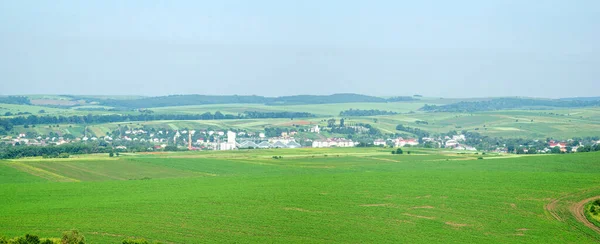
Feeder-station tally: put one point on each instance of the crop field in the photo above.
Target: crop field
(309, 195)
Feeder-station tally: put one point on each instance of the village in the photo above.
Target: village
(159, 139)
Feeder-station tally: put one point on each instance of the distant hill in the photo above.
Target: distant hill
(510, 103)
(183, 100)
(580, 99)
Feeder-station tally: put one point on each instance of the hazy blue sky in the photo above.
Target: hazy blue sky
(438, 48)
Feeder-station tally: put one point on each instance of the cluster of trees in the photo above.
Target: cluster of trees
(15, 100)
(509, 103)
(361, 112)
(8, 151)
(421, 122)
(7, 123)
(418, 132)
(52, 151)
(68, 237)
(401, 99)
(18, 113)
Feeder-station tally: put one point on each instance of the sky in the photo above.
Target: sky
(460, 48)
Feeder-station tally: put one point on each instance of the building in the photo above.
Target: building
(315, 129)
(379, 142)
(400, 142)
(334, 142)
(451, 143)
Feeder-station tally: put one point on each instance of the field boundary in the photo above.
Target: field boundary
(40, 172)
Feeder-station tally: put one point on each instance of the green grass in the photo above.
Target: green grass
(350, 195)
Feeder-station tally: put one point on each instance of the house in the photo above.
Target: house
(400, 142)
(261, 135)
(284, 134)
(334, 142)
(315, 129)
(553, 144)
(458, 137)
(451, 143)
(121, 147)
(379, 142)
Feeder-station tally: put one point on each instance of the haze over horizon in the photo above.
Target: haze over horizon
(271, 48)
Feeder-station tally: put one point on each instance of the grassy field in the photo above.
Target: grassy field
(310, 195)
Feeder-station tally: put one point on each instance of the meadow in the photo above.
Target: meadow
(353, 195)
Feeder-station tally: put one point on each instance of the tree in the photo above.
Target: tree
(111, 154)
(73, 237)
(555, 149)
(341, 122)
(399, 151)
(331, 123)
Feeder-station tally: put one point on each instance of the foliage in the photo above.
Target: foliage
(361, 112)
(7, 123)
(73, 237)
(15, 100)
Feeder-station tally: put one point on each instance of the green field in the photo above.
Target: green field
(310, 195)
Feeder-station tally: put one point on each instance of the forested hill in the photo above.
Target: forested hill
(182, 100)
(510, 103)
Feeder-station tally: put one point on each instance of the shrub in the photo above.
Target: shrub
(393, 152)
(111, 154)
(480, 158)
(72, 237)
(63, 155)
(399, 151)
(32, 239)
(135, 241)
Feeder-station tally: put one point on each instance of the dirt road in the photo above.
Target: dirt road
(578, 210)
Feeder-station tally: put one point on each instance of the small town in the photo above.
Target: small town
(196, 140)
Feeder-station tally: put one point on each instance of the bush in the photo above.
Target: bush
(480, 158)
(399, 151)
(135, 241)
(111, 154)
(72, 237)
(63, 155)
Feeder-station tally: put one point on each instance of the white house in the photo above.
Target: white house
(379, 142)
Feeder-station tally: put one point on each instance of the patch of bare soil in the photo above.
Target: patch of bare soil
(578, 211)
(419, 216)
(426, 196)
(427, 207)
(375, 205)
(456, 224)
(299, 210)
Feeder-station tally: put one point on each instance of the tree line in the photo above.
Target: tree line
(7, 124)
(370, 112)
(15, 100)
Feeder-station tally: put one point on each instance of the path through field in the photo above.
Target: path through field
(578, 210)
